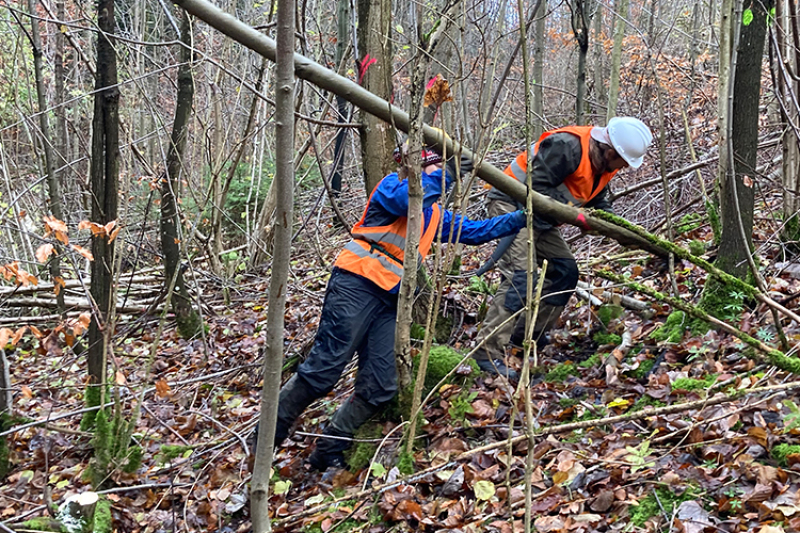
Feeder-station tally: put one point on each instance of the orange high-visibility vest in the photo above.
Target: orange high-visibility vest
(580, 183)
(377, 252)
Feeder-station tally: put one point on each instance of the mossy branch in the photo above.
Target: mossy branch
(776, 357)
(720, 275)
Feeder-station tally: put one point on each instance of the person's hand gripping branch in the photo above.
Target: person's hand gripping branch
(582, 222)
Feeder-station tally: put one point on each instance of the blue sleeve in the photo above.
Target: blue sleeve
(481, 231)
(392, 192)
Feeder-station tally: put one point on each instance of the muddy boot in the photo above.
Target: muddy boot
(494, 367)
(347, 419)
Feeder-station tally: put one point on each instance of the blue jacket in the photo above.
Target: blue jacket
(390, 201)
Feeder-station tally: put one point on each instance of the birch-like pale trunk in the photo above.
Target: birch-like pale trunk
(538, 70)
(284, 184)
(620, 16)
(53, 186)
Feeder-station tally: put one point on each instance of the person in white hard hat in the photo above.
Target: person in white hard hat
(572, 165)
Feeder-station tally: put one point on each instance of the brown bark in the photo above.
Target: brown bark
(104, 178)
(187, 318)
(737, 198)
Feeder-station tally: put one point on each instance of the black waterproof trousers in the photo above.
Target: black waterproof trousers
(357, 316)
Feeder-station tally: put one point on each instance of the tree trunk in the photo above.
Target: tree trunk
(377, 138)
(787, 35)
(342, 38)
(621, 9)
(5, 411)
(582, 11)
(187, 318)
(723, 90)
(737, 198)
(598, 53)
(284, 184)
(53, 186)
(538, 71)
(104, 175)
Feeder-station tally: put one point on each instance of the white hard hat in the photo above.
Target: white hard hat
(629, 136)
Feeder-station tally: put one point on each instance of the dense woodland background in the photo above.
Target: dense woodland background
(139, 184)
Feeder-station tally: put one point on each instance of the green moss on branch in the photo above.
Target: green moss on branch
(776, 357)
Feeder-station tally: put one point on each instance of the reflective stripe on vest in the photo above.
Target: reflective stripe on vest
(362, 249)
(377, 252)
(580, 184)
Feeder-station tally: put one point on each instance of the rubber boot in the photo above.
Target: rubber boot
(295, 396)
(347, 419)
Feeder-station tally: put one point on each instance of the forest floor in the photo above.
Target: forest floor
(720, 467)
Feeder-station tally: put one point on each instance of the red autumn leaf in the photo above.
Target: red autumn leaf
(5, 335)
(44, 252)
(407, 510)
(18, 335)
(437, 92)
(53, 225)
(83, 251)
(36, 333)
(113, 234)
(58, 284)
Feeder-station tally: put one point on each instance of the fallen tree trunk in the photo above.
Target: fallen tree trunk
(323, 77)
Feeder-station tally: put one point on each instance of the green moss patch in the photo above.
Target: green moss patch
(649, 506)
(642, 370)
(44, 524)
(594, 360)
(405, 463)
(609, 312)
(603, 337)
(673, 329)
(692, 384)
(561, 372)
(781, 453)
(360, 454)
(646, 401)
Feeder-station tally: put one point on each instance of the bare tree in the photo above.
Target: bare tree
(53, 186)
(375, 66)
(582, 12)
(188, 320)
(104, 176)
(737, 188)
(785, 50)
(284, 192)
(620, 16)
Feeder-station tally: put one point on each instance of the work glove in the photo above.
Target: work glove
(582, 223)
(465, 168)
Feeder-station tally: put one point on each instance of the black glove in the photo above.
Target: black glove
(466, 166)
